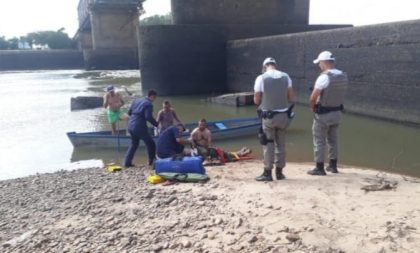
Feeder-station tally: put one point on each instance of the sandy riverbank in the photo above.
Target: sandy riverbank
(93, 211)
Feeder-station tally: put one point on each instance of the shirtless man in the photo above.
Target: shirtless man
(113, 102)
(201, 138)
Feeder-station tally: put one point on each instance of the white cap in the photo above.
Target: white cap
(324, 56)
(269, 60)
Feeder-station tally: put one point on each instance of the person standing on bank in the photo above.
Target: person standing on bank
(326, 102)
(141, 112)
(272, 93)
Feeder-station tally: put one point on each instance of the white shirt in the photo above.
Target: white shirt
(273, 73)
(323, 80)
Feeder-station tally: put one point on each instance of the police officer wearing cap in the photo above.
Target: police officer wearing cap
(272, 93)
(326, 102)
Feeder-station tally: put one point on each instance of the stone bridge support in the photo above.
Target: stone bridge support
(191, 59)
(190, 56)
(240, 12)
(108, 33)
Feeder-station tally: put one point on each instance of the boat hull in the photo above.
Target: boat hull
(234, 128)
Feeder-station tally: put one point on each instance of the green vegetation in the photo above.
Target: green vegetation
(54, 39)
(157, 20)
(4, 44)
(8, 43)
(13, 43)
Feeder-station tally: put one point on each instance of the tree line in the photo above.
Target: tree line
(157, 20)
(53, 39)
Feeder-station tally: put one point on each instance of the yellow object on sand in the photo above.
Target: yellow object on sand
(112, 167)
(155, 179)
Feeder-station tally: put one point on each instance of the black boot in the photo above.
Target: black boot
(318, 171)
(279, 174)
(265, 177)
(332, 167)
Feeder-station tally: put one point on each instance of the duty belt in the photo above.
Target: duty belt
(319, 109)
(270, 114)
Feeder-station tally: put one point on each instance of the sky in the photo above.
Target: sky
(19, 17)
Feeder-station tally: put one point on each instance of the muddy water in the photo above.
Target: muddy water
(36, 114)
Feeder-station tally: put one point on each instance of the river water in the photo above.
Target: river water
(35, 116)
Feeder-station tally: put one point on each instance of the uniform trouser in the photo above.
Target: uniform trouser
(324, 131)
(275, 150)
(135, 141)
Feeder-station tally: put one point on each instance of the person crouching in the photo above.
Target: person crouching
(170, 142)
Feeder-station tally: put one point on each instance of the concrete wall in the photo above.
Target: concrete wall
(187, 59)
(114, 28)
(31, 60)
(108, 33)
(383, 63)
(234, 32)
(111, 59)
(240, 11)
(84, 40)
(182, 59)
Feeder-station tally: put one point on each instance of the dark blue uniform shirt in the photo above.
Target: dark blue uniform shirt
(167, 145)
(141, 111)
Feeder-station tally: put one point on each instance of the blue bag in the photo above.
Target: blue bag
(186, 164)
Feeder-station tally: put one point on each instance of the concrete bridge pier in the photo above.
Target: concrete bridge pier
(189, 57)
(108, 33)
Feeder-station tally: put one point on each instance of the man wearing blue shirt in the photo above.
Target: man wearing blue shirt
(141, 112)
(170, 142)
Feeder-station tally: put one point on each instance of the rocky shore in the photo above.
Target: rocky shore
(94, 211)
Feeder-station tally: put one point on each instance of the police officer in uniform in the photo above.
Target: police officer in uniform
(272, 93)
(326, 102)
(141, 112)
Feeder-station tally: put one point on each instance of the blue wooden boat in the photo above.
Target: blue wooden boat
(223, 129)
